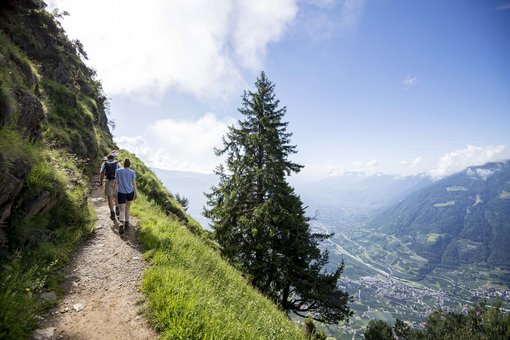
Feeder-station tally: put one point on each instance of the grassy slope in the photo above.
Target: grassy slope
(50, 237)
(193, 293)
(50, 166)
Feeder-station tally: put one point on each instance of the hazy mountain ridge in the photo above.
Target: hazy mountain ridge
(353, 197)
(463, 219)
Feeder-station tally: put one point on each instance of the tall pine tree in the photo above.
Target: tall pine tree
(260, 222)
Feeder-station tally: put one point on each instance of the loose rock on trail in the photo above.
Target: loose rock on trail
(102, 298)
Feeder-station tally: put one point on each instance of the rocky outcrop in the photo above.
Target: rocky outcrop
(44, 87)
(12, 179)
(31, 115)
(8, 105)
(44, 203)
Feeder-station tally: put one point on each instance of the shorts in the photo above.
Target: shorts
(108, 187)
(123, 198)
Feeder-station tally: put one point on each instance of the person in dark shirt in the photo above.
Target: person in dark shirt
(107, 173)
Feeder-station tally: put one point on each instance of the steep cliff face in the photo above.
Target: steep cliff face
(53, 121)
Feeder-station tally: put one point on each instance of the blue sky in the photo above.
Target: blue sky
(370, 85)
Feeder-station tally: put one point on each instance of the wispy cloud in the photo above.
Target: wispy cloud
(184, 145)
(471, 155)
(409, 81)
(503, 7)
(200, 47)
(325, 18)
(350, 14)
(414, 163)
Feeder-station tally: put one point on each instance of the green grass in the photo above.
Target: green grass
(194, 294)
(36, 240)
(44, 242)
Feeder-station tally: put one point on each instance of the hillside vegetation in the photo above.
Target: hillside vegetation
(53, 127)
(461, 220)
(192, 292)
(53, 134)
(480, 322)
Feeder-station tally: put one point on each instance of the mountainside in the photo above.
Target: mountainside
(53, 121)
(463, 219)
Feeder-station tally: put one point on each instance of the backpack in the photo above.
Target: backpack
(109, 169)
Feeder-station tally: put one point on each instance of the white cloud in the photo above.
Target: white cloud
(181, 144)
(257, 24)
(350, 13)
(201, 47)
(410, 81)
(373, 163)
(413, 164)
(471, 155)
(192, 138)
(481, 173)
(137, 145)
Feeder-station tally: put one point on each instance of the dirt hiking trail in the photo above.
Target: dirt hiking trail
(102, 298)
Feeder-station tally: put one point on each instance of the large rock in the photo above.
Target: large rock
(12, 179)
(31, 114)
(45, 202)
(8, 105)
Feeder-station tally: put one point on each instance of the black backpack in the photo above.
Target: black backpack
(109, 169)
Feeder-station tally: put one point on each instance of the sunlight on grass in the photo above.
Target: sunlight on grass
(194, 294)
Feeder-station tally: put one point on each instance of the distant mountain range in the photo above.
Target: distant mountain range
(353, 197)
(463, 219)
(348, 198)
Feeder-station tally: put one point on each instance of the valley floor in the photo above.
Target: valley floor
(102, 298)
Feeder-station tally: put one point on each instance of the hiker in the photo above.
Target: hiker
(108, 168)
(125, 184)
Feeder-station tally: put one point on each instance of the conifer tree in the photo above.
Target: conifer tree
(258, 219)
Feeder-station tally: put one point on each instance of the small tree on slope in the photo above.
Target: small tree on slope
(260, 222)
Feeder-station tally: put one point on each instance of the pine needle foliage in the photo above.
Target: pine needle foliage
(258, 219)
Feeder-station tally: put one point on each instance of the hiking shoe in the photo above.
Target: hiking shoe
(112, 215)
(121, 229)
(117, 210)
(126, 225)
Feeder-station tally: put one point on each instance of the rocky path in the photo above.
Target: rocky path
(101, 284)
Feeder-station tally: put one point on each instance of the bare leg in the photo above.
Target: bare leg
(128, 208)
(110, 202)
(122, 212)
(115, 199)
